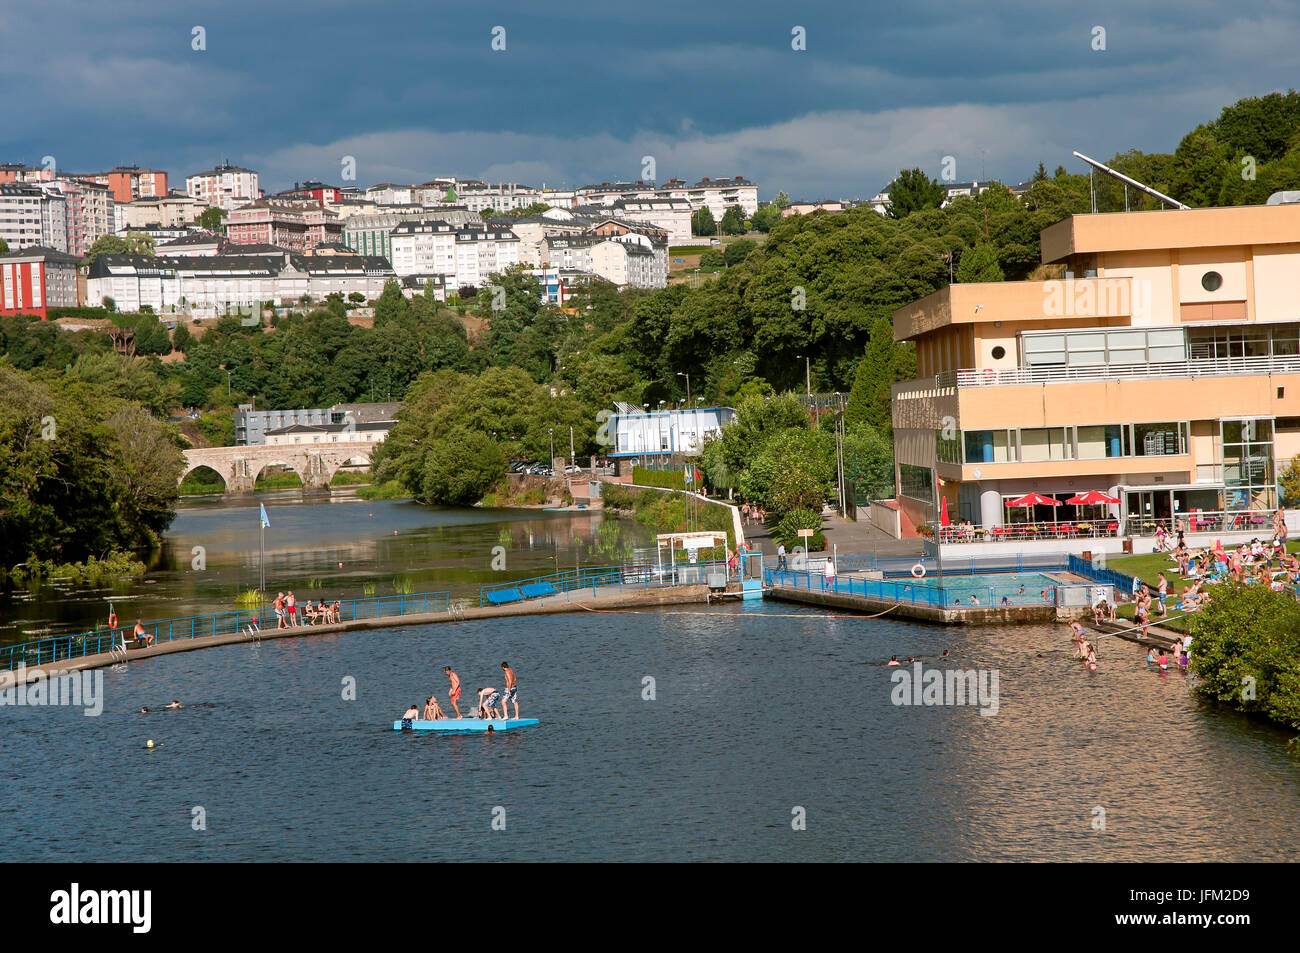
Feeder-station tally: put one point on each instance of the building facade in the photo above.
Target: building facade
(226, 187)
(36, 279)
(88, 213)
(252, 427)
(1162, 368)
(296, 224)
(640, 432)
(127, 183)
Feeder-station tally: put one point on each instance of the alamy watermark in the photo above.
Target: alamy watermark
(44, 688)
(938, 686)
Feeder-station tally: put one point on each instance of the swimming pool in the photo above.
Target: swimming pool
(1018, 588)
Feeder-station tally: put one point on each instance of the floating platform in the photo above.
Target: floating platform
(464, 724)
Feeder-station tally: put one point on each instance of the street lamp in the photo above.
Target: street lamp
(550, 432)
(807, 370)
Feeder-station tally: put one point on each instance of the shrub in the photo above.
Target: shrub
(787, 531)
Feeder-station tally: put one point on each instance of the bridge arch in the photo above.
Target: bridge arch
(223, 475)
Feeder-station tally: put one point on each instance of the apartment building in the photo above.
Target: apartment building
(319, 191)
(88, 213)
(424, 248)
(224, 283)
(17, 172)
(371, 233)
(296, 224)
(36, 279)
(226, 187)
(173, 210)
(1163, 369)
(484, 250)
(464, 255)
(127, 183)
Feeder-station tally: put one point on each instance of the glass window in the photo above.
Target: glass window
(916, 482)
(1043, 443)
(1096, 443)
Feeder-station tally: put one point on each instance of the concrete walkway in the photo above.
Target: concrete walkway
(848, 537)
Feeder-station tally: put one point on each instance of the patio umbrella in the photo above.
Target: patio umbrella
(1030, 500)
(1092, 498)
(943, 511)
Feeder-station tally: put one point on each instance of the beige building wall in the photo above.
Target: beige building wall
(1277, 283)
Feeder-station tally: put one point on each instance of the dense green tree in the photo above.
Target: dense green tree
(882, 365)
(738, 251)
(211, 219)
(980, 264)
(764, 217)
(911, 191)
(702, 223)
(733, 221)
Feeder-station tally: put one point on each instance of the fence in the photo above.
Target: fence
(603, 577)
(915, 592)
(61, 648)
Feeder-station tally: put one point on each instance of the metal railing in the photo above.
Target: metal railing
(1025, 532)
(66, 647)
(595, 578)
(915, 592)
(1056, 374)
(1205, 521)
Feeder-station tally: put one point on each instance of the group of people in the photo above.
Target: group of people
(753, 514)
(1087, 650)
(1182, 655)
(1253, 563)
(491, 701)
(319, 613)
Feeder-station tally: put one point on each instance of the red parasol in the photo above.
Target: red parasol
(943, 511)
(1034, 499)
(1092, 498)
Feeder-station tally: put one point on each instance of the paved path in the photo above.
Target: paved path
(850, 538)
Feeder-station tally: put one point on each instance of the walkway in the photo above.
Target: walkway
(859, 538)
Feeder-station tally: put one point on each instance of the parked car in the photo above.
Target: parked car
(571, 468)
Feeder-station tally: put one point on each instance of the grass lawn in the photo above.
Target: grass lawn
(1147, 566)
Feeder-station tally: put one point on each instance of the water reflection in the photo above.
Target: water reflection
(324, 546)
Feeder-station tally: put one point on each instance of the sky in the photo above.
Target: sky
(585, 92)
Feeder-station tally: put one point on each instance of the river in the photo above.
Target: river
(759, 719)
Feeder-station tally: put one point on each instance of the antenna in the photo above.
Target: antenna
(1133, 182)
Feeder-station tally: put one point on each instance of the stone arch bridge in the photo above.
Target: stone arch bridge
(315, 464)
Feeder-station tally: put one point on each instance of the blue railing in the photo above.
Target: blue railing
(1121, 581)
(47, 651)
(602, 577)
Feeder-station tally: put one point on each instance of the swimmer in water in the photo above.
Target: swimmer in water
(175, 704)
(144, 711)
(893, 660)
(1164, 661)
(945, 654)
(1151, 656)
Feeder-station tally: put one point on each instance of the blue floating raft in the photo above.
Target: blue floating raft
(464, 724)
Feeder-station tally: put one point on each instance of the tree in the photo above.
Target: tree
(4, 247)
(461, 467)
(733, 221)
(1289, 482)
(182, 338)
(883, 364)
(911, 191)
(536, 208)
(357, 297)
(211, 219)
(738, 251)
(980, 264)
(137, 243)
(764, 218)
(780, 199)
(106, 245)
(702, 222)
(1040, 174)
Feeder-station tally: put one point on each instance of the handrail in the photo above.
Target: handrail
(640, 575)
(66, 647)
(1057, 373)
(1204, 521)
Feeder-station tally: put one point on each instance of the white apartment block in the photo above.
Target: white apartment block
(423, 248)
(626, 264)
(226, 187)
(54, 217)
(464, 255)
(483, 250)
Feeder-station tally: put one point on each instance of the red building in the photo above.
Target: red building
(130, 182)
(36, 279)
(325, 194)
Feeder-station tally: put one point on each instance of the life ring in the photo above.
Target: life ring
(918, 571)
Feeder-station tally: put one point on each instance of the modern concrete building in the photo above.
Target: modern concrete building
(1162, 368)
(89, 213)
(173, 210)
(130, 182)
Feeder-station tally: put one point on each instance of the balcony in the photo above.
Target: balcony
(1165, 370)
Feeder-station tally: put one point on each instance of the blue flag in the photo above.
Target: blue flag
(265, 522)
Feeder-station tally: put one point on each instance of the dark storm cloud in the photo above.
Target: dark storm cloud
(584, 91)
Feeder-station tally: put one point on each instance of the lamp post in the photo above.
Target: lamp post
(807, 371)
(550, 432)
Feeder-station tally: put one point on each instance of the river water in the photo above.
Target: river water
(212, 553)
(761, 715)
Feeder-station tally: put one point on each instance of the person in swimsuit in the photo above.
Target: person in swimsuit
(279, 610)
(432, 711)
(410, 715)
(893, 661)
(1164, 661)
(487, 702)
(512, 690)
(175, 704)
(291, 607)
(140, 634)
(1151, 655)
(455, 690)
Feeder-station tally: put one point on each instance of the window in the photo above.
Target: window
(1211, 281)
(916, 482)
(1044, 443)
(999, 353)
(989, 446)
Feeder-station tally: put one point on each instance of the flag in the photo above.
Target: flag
(265, 522)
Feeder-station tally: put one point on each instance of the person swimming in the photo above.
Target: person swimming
(893, 660)
(1151, 655)
(174, 704)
